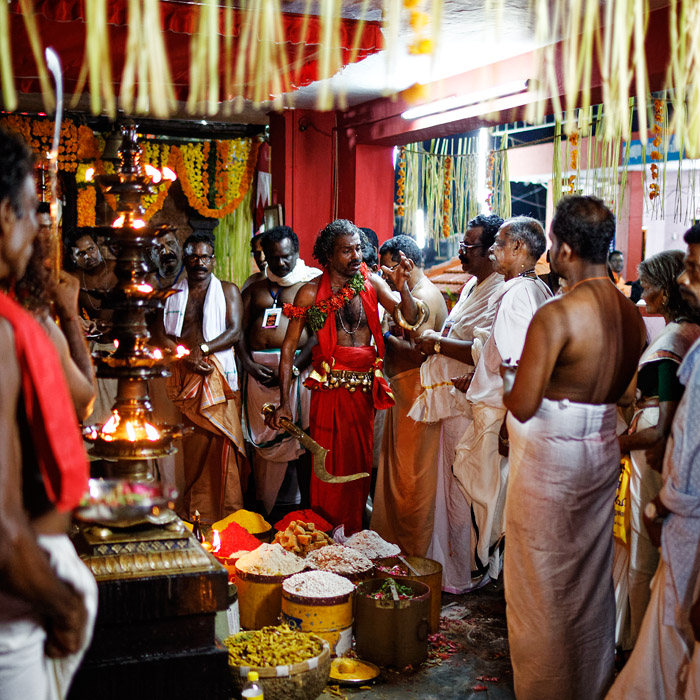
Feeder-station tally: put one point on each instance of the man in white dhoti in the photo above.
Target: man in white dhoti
(275, 453)
(662, 666)
(480, 468)
(205, 316)
(580, 355)
(404, 497)
(442, 402)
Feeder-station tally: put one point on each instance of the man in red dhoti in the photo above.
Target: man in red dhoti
(341, 307)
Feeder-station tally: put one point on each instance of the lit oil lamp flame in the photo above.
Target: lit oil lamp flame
(152, 432)
(119, 222)
(168, 174)
(130, 431)
(154, 173)
(181, 351)
(158, 354)
(116, 343)
(215, 541)
(138, 223)
(145, 288)
(89, 174)
(110, 427)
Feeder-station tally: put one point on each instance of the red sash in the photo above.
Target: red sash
(324, 353)
(49, 408)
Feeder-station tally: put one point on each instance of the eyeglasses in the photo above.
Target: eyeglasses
(469, 246)
(198, 258)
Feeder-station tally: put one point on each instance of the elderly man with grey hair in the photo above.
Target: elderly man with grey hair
(480, 467)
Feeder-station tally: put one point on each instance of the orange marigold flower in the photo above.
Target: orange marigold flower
(655, 155)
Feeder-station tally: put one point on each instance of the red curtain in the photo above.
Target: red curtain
(61, 24)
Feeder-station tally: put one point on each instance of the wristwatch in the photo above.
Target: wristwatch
(204, 348)
(295, 370)
(436, 346)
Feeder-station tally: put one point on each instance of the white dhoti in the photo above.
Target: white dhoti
(272, 449)
(659, 666)
(564, 469)
(25, 671)
(482, 474)
(450, 543)
(645, 484)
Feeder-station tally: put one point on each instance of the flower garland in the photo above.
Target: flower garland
(573, 160)
(654, 190)
(401, 183)
(490, 165)
(38, 134)
(447, 190)
(87, 202)
(317, 314)
(419, 22)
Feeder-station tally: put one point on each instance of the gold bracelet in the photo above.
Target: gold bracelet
(423, 316)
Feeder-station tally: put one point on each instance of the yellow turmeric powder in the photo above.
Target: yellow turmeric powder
(253, 522)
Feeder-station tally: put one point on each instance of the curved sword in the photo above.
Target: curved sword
(319, 453)
(54, 64)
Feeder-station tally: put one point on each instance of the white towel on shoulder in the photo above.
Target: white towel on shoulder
(214, 321)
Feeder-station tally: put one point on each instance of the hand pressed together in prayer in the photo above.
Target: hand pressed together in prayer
(399, 273)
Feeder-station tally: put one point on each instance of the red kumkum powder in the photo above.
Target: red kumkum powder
(236, 539)
(307, 516)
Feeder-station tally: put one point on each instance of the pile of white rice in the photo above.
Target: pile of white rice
(372, 545)
(317, 584)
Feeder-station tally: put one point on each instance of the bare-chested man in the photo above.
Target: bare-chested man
(48, 597)
(259, 256)
(205, 317)
(96, 277)
(579, 358)
(167, 257)
(404, 498)
(264, 328)
(347, 383)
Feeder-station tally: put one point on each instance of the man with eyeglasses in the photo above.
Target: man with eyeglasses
(445, 376)
(205, 316)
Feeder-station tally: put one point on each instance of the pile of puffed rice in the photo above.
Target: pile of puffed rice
(339, 560)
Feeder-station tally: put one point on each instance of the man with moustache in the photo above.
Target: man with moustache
(205, 317)
(665, 662)
(259, 256)
(341, 307)
(404, 497)
(96, 278)
(580, 355)
(48, 597)
(167, 257)
(445, 377)
(275, 453)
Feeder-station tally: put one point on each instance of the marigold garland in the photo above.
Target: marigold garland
(654, 190)
(401, 182)
(573, 160)
(317, 314)
(38, 133)
(490, 165)
(87, 202)
(447, 190)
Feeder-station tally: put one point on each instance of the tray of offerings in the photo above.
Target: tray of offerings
(124, 503)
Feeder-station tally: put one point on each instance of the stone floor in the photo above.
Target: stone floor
(476, 664)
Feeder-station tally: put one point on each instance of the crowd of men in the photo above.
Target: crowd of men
(497, 424)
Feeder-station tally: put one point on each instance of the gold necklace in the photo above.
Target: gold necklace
(588, 279)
